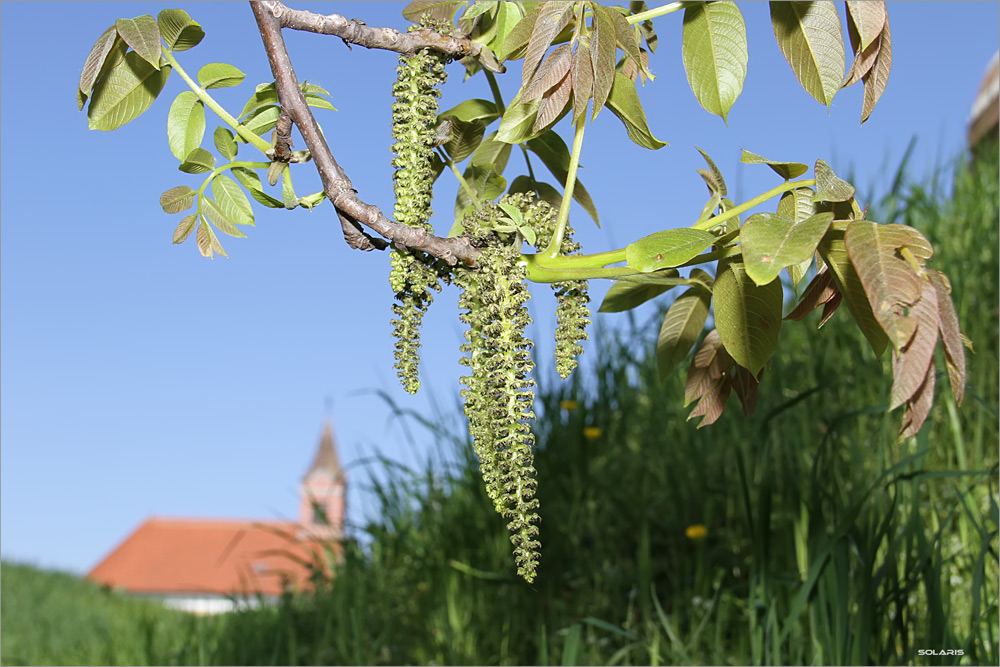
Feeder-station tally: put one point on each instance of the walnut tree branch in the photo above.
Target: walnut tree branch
(353, 31)
(353, 212)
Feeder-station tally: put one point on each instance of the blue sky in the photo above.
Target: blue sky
(140, 379)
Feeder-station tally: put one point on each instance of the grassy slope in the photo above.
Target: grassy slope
(827, 541)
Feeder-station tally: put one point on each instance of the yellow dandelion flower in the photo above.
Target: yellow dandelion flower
(569, 406)
(696, 532)
(592, 432)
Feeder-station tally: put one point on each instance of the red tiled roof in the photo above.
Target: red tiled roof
(209, 557)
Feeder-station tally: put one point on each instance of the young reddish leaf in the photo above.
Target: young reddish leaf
(179, 31)
(626, 37)
(646, 27)
(603, 47)
(830, 307)
(583, 81)
(864, 57)
(624, 103)
(714, 51)
(787, 170)
(184, 229)
(552, 18)
(95, 62)
(177, 199)
(910, 365)
(143, 35)
(709, 363)
(919, 407)
(713, 177)
(682, 325)
(810, 37)
(745, 385)
(820, 290)
(216, 246)
(951, 336)
(868, 18)
(550, 74)
(125, 92)
(834, 253)
(878, 76)
(554, 103)
(747, 315)
(891, 284)
(713, 402)
(437, 9)
(204, 239)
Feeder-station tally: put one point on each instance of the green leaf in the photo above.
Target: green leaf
(179, 30)
(516, 41)
(714, 50)
(508, 16)
(219, 75)
(787, 170)
(624, 103)
(625, 295)
(478, 8)
(231, 200)
(143, 35)
(470, 110)
(95, 63)
(771, 242)
(185, 228)
(251, 181)
(797, 206)
(198, 161)
(483, 174)
(554, 154)
(225, 143)
(185, 124)
(810, 37)
(464, 139)
(125, 93)
(177, 199)
(834, 253)
(219, 218)
(829, 187)
(682, 325)
(515, 126)
(261, 121)
(265, 95)
(747, 315)
(438, 9)
(713, 177)
(667, 249)
(319, 102)
(287, 191)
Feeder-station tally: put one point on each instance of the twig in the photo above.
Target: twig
(353, 31)
(353, 212)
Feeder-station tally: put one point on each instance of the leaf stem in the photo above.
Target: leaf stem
(461, 179)
(662, 10)
(574, 162)
(787, 186)
(210, 102)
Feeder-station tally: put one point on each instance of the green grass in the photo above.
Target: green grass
(827, 541)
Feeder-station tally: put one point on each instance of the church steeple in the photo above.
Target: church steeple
(322, 504)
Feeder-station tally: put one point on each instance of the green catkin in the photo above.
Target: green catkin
(572, 314)
(499, 394)
(411, 277)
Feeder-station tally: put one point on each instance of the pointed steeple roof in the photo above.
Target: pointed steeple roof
(326, 459)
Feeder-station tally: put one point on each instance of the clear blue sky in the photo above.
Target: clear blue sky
(140, 379)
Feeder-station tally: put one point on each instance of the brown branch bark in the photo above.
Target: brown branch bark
(353, 31)
(352, 211)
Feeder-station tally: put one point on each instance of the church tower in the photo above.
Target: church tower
(322, 498)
